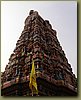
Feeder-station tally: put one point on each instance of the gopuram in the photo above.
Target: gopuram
(54, 74)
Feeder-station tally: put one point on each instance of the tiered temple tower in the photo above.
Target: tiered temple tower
(54, 74)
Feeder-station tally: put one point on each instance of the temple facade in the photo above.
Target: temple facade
(54, 74)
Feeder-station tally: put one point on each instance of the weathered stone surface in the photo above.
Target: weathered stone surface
(39, 41)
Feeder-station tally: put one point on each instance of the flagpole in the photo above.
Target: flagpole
(32, 93)
(32, 90)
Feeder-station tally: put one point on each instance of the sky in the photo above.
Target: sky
(62, 15)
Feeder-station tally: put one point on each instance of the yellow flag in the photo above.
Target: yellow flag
(33, 83)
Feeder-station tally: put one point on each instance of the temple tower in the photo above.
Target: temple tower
(54, 74)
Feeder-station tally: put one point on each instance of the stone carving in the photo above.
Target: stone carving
(39, 41)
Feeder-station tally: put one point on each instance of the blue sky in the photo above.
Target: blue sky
(61, 14)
